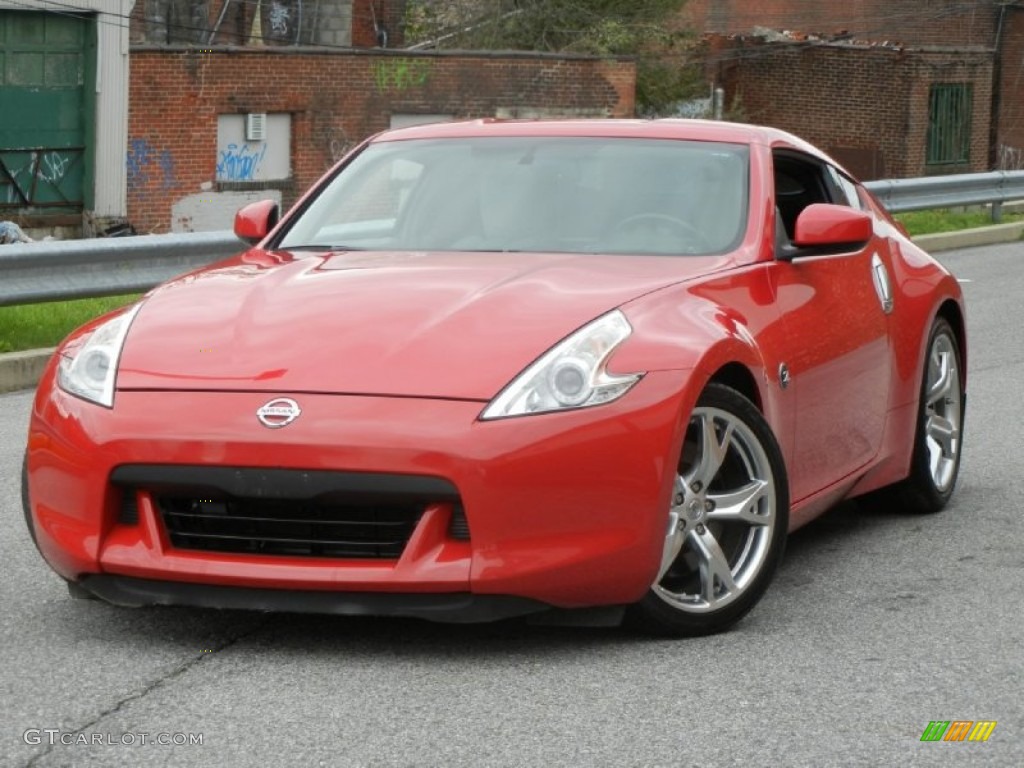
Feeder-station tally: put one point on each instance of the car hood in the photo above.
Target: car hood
(448, 325)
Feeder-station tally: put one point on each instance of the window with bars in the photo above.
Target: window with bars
(949, 124)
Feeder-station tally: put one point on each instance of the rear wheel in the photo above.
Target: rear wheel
(727, 521)
(77, 592)
(940, 420)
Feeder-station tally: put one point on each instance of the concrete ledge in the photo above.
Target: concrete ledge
(21, 370)
(969, 238)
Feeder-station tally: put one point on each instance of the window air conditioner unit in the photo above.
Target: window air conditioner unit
(256, 126)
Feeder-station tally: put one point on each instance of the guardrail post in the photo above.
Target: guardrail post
(997, 212)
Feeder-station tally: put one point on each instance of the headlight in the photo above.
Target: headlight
(571, 374)
(88, 368)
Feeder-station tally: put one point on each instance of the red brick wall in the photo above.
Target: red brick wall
(1009, 142)
(866, 105)
(926, 69)
(335, 100)
(910, 22)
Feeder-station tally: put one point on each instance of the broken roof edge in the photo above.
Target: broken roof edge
(841, 39)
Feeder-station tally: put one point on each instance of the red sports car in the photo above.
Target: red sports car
(491, 369)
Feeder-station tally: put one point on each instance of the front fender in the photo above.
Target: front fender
(700, 329)
(922, 286)
(729, 318)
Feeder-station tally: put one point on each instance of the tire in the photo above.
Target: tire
(726, 525)
(26, 506)
(77, 592)
(938, 438)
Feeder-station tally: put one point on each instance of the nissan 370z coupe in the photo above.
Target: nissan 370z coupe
(492, 369)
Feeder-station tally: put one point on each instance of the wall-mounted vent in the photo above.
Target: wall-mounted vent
(256, 126)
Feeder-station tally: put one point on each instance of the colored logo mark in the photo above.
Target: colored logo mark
(958, 730)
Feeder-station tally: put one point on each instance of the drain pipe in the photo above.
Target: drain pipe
(996, 103)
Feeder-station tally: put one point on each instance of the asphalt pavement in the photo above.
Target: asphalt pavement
(878, 623)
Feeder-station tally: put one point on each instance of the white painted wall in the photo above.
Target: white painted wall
(214, 211)
(241, 160)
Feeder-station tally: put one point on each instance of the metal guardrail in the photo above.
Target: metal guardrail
(920, 194)
(73, 269)
(77, 269)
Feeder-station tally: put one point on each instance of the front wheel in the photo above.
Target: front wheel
(727, 521)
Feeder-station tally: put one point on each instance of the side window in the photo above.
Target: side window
(845, 189)
(800, 181)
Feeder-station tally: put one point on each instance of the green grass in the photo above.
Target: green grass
(929, 222)
(32, 326)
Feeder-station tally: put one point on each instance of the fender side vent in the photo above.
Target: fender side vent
(129, 514)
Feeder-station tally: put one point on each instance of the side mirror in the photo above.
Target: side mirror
(832, 227)
(254, 221)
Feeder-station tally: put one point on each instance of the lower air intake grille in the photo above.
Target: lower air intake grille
(255, 526)
(285, 512)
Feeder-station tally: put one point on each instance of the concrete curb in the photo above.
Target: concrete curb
(969, 238)
(21, 370)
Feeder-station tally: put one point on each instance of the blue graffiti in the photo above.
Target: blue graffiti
(239, 162)
(142, 159)
(140, 155)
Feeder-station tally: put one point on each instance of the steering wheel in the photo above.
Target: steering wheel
(662, 223)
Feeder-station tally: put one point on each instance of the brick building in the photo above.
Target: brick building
(910, 22)
(871, 106)
(210, 130)
(195, 107)
(1008, 141)
(892, 87)
(235, 100)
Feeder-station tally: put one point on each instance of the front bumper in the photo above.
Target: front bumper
(457, 607)
(564, 509)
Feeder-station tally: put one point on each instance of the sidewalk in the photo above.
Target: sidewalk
(21, 370)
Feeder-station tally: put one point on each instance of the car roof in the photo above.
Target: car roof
(672, 128)
(664, 128)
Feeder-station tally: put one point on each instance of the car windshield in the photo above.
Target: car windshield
(571, 195)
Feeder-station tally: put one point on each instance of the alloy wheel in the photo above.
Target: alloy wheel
(722, 517)
(943, 412)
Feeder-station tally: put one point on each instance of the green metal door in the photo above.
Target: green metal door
(43, 105)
